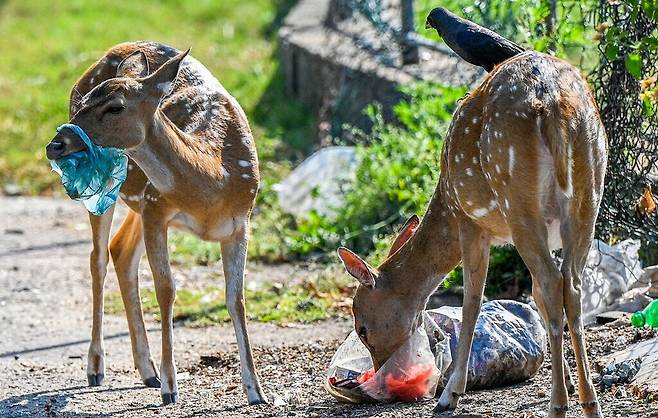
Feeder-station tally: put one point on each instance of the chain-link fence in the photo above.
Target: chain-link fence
(632, 129)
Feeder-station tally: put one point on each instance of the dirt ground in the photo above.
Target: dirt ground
(45, 317)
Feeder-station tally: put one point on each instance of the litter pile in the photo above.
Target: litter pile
(509, 345)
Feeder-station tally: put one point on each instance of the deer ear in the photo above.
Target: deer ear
(160, 83)
(407, 231)
(358, 268)
(134, 65)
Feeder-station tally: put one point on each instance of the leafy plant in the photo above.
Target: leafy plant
(398, 172)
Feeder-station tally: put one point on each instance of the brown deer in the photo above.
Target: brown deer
(523, 163)
(193, 166)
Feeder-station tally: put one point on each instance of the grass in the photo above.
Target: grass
(46, 45)
(313, 300)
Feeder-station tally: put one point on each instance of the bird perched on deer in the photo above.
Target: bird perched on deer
(474, 43)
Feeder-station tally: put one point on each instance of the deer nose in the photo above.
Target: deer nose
(63, 144)
(54, 149)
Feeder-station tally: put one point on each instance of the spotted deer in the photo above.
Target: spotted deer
(523, 163)
(193, 166)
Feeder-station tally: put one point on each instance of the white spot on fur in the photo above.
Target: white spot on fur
(469, 172)
(475, 160)
(467, 130)
(511, 159)
(246, 176)
(244, 163)
(476, 120)
(480, 212)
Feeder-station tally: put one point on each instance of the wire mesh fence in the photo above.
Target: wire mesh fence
(632, 129)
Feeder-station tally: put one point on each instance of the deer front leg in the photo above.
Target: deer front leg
(475, 253)
(126, 248)
(234, 255)
(155, 238)
(100, 229)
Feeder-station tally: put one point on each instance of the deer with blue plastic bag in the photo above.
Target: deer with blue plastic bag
(153, 126)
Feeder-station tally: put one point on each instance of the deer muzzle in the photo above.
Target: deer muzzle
(63, 144)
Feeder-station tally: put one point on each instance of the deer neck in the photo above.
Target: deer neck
(169, 156)
(429, 255)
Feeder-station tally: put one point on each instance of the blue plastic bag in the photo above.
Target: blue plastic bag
(92, 176)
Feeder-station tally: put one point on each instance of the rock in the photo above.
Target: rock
(610, 272)
(12, 190)
(509, 344)
(650, 277)
(637, 364)
(611, 316)
(319, 183)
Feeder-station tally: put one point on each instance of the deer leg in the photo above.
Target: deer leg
(475, 254)
(155, 238)
(127, 248)
(577, 232)
(234, 255)
(100, 229)
(532, 244)
(568, 381)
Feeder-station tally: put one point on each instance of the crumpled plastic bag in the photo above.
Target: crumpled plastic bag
(509, 346)
(94, 175)
(412, 373)
(509, 342)
(610, 272)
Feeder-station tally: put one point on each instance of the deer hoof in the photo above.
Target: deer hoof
(262, 399)
(152, 382)
(439, 408)
(95, 379)
(169, 398)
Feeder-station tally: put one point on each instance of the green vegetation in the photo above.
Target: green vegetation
(398, 172)
(47, 45)
(312, 300)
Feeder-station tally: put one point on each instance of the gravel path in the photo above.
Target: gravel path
(45, 314)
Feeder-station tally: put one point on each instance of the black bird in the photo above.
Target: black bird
(475, 44)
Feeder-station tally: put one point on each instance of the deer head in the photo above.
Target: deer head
(119, 112)
(383, 317)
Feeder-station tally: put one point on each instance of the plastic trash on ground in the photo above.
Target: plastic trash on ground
(610, 272)
(509, 342)
(412, 373)
(94, 175)
(509, 346)
(319, 183)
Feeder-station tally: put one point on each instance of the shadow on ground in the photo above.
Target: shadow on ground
(54, 402)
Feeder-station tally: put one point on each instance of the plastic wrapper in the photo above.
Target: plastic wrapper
(412, 373)
(509, 342)
(509, 346)
(94, 175)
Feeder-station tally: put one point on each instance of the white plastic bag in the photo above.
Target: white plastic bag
(412, 373)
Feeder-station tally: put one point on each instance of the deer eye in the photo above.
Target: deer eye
(115, 109)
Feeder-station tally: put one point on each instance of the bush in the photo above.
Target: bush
(399, 169)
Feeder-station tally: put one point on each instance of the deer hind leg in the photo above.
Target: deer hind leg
(475, 244)
(100, 229)
(530, 238)
(127, 248)
(577, 233)
(568, 380)
(155, 238)
(234, 256)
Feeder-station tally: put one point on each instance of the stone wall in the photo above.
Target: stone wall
(337, 64)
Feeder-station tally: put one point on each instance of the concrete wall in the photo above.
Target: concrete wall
(337, 65)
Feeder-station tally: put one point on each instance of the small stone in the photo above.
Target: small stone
(12, 189)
